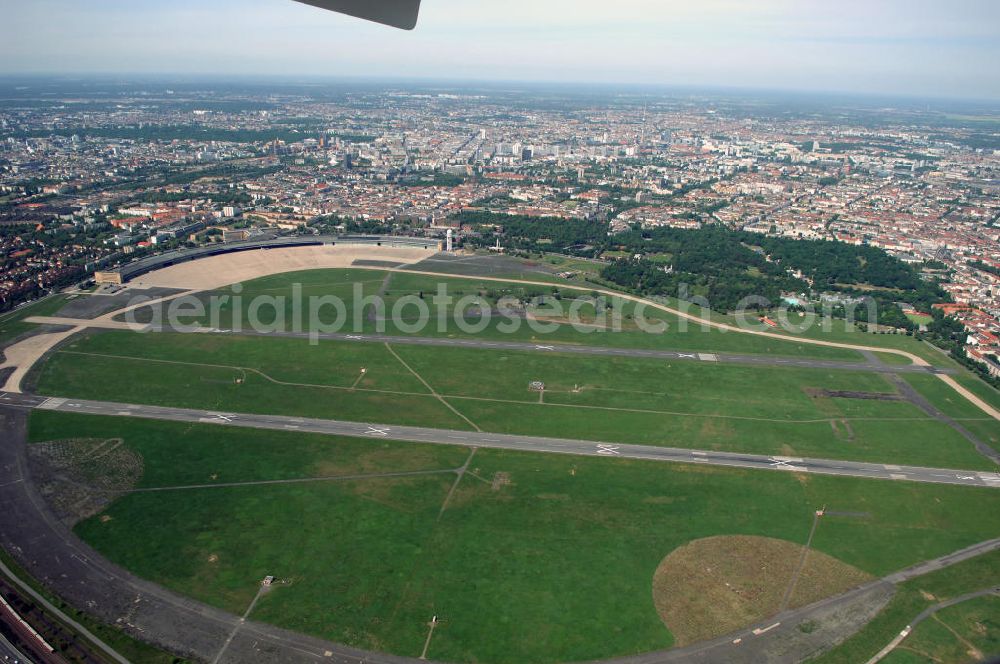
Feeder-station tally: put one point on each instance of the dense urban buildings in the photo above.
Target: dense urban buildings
(95, 174)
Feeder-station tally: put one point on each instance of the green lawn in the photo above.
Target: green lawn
(362, 316)
(920, 319)
(555, 564)
(178, 454)
(954, 405)
(697, 405)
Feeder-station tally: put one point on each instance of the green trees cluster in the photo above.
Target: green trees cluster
(580, 237)
(855, 269)
(711, 261)
(985, 267)
(725, 266)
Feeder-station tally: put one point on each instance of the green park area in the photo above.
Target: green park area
(557, 558)
(554, 556)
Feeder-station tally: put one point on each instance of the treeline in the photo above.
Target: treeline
(363, 226)
(723, 288)
(726, 266)
(711, 262)
(436, 179)
(580, 237)
(828, 262)
(985, 267)
(860, 270)
(220, 197)
(222, 171)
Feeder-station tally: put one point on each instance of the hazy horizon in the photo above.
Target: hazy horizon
(914, 48)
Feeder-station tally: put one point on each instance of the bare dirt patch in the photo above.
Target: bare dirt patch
(500, 480)
(842, 430)
(661, 500)
(716, 585)
(80, 477)
(817, 393)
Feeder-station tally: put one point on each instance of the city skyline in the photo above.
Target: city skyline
(922, 49)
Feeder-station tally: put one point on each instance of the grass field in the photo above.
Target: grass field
(953, 405)
(968, 632)
(177, 455)
(679, 404)
(552, 556)
(911, 598)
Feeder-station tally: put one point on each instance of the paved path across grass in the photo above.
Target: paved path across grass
(927, 613)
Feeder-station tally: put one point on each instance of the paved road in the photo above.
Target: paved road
(544, 347)
(921, 402)
(920, 569)
(510, 442)
(927, 613)
(10, 653)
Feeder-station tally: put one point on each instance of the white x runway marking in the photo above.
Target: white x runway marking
(374, 431)
(545, 347)
(608, 450)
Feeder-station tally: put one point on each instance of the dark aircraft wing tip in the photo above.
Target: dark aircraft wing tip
(396, 13)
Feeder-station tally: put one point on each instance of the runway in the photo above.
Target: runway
(519, 443)
(542, 347)
(524, 346)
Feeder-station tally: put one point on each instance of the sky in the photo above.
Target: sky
(924, 48)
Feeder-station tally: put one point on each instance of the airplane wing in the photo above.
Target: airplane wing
(397, 13)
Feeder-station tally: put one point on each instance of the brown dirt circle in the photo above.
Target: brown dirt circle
(713, 586)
